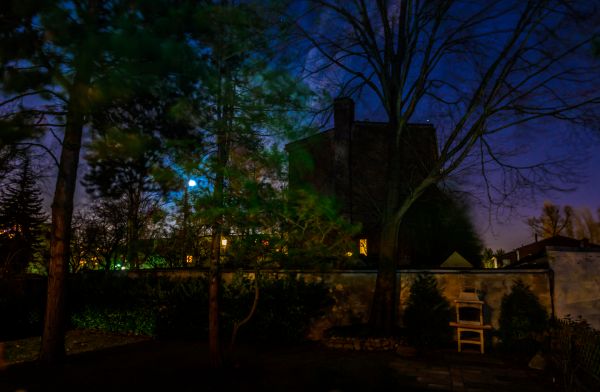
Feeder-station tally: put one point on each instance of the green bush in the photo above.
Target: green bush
(178, 308)
(427, 314)
(522, 319)
(141, 321)
(285, 308)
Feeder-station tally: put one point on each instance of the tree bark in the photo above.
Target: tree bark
(53, 338)
(214, 339)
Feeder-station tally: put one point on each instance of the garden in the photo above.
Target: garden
(160, 317)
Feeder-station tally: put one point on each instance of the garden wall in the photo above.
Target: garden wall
(352, 291)
(576, 283)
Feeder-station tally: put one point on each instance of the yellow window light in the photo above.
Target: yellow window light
(363, 246)
(189, 259)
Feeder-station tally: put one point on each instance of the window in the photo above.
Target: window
(362, 246)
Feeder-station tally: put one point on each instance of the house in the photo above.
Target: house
(534, 255)
(349, 162)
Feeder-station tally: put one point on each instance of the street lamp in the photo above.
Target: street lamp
(186, 210)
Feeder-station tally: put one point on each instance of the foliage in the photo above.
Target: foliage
(427, 314)
(21, 221)
(98, 232)
(287, 306)
(522, 319)
(177, 308)
(436, 226)
(572, 222)
(22, 307)
(139, 321)
(313, 231)
(489, 255)
(552, 222)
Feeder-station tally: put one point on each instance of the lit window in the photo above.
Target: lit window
(363, 246)
(189, 259)
(224, 242)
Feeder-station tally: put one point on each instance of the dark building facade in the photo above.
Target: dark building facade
(349, 163)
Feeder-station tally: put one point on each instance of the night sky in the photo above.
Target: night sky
(504, 227)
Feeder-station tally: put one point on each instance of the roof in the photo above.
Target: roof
(455, 260)
(534, 254)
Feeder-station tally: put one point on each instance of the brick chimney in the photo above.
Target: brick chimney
(343, 118)
(343, 113)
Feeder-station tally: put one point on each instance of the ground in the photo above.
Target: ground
(145, 364)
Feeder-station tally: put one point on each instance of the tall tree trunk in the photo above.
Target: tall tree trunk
(53, 338)
(382, 318)
(214, 338)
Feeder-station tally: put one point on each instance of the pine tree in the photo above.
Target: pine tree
(21, 221)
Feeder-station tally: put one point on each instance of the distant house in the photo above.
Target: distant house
(349, 163)
(534, 255)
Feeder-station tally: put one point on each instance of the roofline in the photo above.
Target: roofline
(291, 144)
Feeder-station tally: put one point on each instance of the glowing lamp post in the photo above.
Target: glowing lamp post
(186, 210)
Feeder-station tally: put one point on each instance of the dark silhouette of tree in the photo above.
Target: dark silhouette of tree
(21, 220)
(484, 67)
(436, 226)
(61, 61)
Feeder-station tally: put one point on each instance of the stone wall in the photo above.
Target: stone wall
(352, 291)
(576, 283)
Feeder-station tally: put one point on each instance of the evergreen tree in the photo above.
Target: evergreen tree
(427, 314)
(21, 221)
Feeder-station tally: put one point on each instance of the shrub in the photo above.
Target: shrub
(22, 304)
(140, 321)
(522, 319)
(285, 309)
(427, 314)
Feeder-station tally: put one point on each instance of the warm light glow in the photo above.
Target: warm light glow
(363, 246)
(189, 259)
(224, 242)
(191, 183)
(349, 254)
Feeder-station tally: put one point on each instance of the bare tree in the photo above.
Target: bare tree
(486, 68)
(552, 222)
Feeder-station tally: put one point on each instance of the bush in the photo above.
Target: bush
(140, 321)
(167, 308)
(285, 308)
(427, 314)
(22, 304)
(522, 320)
